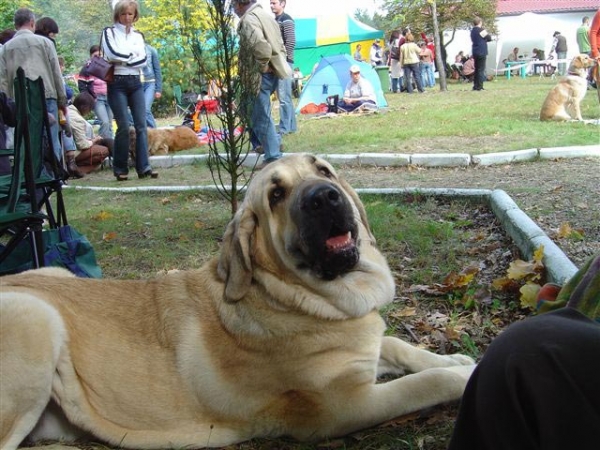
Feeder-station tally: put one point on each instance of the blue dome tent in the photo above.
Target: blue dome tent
(331, 77)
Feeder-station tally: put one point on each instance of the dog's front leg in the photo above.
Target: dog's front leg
(577, 109)
(398, 357)
(372, 404)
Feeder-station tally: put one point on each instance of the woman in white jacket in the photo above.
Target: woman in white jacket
(123, 46)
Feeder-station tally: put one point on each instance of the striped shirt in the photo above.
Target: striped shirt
(288, 33)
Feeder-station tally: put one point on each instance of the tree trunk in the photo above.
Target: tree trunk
(438, 48)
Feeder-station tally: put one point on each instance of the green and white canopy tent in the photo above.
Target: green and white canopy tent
(330, 35)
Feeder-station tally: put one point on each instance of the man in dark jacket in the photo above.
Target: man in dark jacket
(559, 46)
(479, 37)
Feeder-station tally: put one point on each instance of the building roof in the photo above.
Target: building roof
(513, 7)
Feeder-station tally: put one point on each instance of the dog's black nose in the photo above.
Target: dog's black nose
(322, 196)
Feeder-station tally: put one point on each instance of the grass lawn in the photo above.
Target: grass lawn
(504, 117)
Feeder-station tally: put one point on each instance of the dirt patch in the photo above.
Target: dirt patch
(558, 195)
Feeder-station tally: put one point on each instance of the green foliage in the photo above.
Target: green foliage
(7, 12)
(452, 15)
(166, 26)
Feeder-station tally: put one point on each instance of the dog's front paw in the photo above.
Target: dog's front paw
(464, 371)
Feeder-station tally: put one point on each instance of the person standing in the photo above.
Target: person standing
(595, 49)
(358, 53)
(427, 75)
(265, 57)
(376, 54)
(479, 38)
(97, 88)
(394, 61)
(287, 116)
(583, 36)
(594, 36)
(559, 46)
(409, 60)
(152, 82)
(123, 46)
(37, 56)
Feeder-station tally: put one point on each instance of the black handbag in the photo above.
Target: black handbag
(99, 67)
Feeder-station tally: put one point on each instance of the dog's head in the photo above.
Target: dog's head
(580, 63)
(302, 232)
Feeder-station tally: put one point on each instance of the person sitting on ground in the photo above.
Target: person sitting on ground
(91, 150)
(468, 68)
(536, 386)
(359, 92)
(460, 58)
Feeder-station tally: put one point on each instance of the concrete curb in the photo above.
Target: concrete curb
(420, 159)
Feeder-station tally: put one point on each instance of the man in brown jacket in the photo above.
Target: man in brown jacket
(263, 53)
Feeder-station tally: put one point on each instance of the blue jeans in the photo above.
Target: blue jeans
(149, 99)
(427, 76)
(412, 71)
(52, 108)
(127, 91)
(287, 116)
(562, 67)
(262, 121)
(105, 116)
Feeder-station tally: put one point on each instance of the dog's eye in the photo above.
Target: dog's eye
(277, 194)
(325, 171)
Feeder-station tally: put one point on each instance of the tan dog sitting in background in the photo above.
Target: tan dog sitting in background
(162, 141)
(566, 96)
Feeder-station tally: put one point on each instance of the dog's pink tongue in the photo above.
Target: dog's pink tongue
(337, 242)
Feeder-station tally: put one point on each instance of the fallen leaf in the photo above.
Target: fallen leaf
(405, 312)
(529, 294)
(102, 215)
(109, 236)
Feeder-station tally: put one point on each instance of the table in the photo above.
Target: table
(522, 69)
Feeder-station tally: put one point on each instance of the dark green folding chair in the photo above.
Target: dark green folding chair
(48, 172)
(49, 175)
(20, 218)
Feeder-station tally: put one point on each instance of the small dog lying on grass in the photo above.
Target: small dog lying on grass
(162, 141)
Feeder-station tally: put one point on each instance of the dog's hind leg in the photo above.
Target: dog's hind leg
(31, 336)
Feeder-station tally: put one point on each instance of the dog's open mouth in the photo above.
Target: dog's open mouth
(328, 232)
(339, 256)
(339, 243)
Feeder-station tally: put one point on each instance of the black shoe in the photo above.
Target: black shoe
(147, 174)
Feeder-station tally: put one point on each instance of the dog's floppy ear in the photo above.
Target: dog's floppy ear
(235, 264)
(359, 205)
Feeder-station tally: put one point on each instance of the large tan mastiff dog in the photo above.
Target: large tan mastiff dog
(279, 335)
